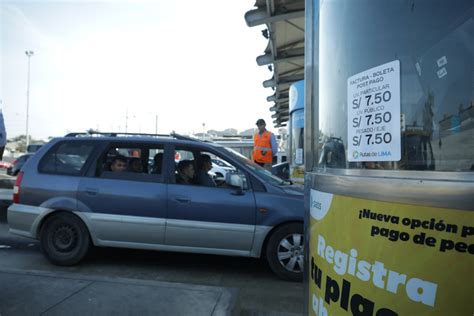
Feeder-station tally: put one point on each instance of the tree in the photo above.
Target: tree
(20, 141)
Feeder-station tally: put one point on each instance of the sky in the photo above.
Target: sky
(127, 65)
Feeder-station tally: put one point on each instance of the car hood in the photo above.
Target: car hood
(294, 189)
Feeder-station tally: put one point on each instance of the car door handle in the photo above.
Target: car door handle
(91, 191)
(182, 199)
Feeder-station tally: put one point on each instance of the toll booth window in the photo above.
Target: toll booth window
(397, 96)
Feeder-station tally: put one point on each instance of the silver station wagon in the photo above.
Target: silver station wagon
(154, 192)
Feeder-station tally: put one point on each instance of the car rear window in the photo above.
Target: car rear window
(66, 158)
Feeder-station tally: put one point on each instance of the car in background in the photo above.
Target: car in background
(5, 165)
(220, 168)
(16, 165)
(6, 190)
(221, 163)
(31, 149)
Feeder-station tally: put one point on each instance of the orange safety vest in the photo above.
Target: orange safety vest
(262, 144)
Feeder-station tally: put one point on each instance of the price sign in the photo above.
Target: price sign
(373, 116)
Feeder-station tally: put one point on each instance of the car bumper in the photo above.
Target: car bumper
(24, 220)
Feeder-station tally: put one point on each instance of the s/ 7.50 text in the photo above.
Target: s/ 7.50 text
(377, 98)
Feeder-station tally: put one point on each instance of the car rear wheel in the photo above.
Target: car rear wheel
(285, 252)
(64, 239)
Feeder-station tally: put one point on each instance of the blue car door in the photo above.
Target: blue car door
(210, 217)
(124, 210)
(126, 207)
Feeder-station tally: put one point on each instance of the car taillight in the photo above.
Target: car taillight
(16, 188)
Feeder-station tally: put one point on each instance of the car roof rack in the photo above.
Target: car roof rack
(182, 137)
(120, 134)
(111, 134)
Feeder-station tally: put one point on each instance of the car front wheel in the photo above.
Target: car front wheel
(64, 239)
(285, 252)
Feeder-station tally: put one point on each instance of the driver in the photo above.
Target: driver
(203, 177)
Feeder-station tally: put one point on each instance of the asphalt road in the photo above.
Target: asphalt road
(261, 292)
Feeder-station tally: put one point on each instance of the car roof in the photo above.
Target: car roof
(134, 137)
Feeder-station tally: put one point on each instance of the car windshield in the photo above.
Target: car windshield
(262, 172)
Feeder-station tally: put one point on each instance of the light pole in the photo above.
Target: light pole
(28, 53)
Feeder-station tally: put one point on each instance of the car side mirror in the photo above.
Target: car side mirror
(235, 180)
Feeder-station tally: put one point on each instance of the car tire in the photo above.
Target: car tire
(285, 252)
(64, 239)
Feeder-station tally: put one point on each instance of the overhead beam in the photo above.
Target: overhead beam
(282, 56)
(261, 16)
(290, 79)
(282, 100)
(275, 97)
(298, 42)
(272, 98)
(296, 71)
(271, 83)
(278, 107)
(279, 116)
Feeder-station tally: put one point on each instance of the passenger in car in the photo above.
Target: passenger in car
(185, 172)
(135, 165)
(158, 162)
(119, 164)
(203, 177)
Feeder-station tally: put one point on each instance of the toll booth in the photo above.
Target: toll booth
(389, 157)
(296, 129)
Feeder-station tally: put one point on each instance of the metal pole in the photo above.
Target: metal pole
(28, 53)
(156, 124)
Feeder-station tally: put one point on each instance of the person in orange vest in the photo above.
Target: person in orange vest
(264, 146)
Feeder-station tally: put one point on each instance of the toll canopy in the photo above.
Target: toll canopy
(284, 54)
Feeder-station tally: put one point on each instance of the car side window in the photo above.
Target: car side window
(199, 167)
(212, 166)
(135, 162)
(66, 158)
(223, 168)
